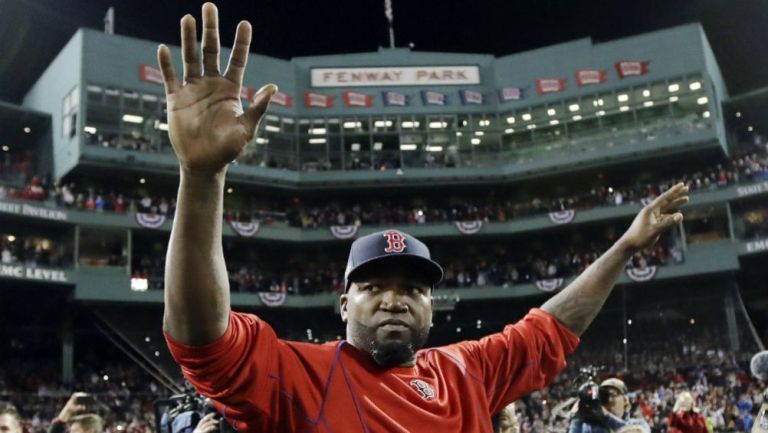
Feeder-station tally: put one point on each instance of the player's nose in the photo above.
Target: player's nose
(392, 301)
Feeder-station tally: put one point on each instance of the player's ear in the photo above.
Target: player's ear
(343, 306)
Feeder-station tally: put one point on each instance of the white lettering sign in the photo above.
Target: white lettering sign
(40, 274)
(752, 189)
(756, 246)
(33, 211)
(395, 76)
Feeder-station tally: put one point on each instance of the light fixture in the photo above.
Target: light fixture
(410, 124)
(484, 122)
(382, 123)
(11, 238)
(738, 114)
(354, 147)
(161, 126)
(475, 141)
(458, 133)
(6, 148)
(272, 128)
(623, 108)
(526, 117)
(702, 100)
(509, 130)
(408, 146)
(531, 126)
(27, 129)
(648, 104)
(479, 133)
(601, 113)
(139, 284)
(750, 128)
(229, 190)
(554, 122)
(577, 117)
(376, 145)
(673, 99)
(90, 129)
(262, 140)
(623, 97)
(695, 85)
(438, 125)
(598, 102)
(142, 181)
(705, 114)
(317, 131)
(434, 148)
(673, 88)
(646, 93)
(316, 140)
(551, 111)
(353, 125)
(130, 118)
(511, 119)
(574, 107)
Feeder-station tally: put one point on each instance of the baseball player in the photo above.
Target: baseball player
(380, 379)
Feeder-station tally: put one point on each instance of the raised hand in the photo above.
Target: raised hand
(206, 121)
(656, 218)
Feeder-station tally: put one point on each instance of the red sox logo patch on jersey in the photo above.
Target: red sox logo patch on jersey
(395, 241)
(426, 391)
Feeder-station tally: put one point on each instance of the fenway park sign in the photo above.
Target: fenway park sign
(395, 76)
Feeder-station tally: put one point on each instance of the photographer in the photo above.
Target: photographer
(605, 409)
(72, 416)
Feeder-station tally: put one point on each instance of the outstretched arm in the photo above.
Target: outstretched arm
(578, 304)
(208, 130)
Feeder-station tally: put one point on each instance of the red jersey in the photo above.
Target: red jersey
(260, 383)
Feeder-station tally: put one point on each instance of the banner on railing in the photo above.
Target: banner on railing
(150, 221)
(642, 274)
(344, 232)
(272, 299)
(563, 216)
(469, 227)
(550, 285)
(246, 230)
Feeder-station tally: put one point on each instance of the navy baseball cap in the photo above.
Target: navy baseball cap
(390, 247)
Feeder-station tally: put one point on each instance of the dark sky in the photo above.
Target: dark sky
(33, 31)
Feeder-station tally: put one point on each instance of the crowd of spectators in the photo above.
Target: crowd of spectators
(744, 168)
(30, 251)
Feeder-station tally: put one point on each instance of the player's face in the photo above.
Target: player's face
(8, 424)
(389, 317)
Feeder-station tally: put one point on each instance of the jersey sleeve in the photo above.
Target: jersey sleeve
(232, 371)
(522, 358)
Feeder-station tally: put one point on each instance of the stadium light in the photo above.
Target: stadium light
(161, 126)
(317, 131)
(475, 141)
(554, 122)
(11, 238)
(27, 129)
(479, 133)
(526, 117)
(673, 88)
(551, 111)
(531, 126)
(90, 129)
(382, 123)
(750, 128)
(139, 284)
(574, 107)
(438, 125)
(410, 124)
(262, 140)
(458, 133)
(6, 148)
(434, 148)
(316, 140)
(705, 114)
(142, 181)
(623, 108)
(130, 118)
(230, 190)
(646, 93)
(577, 117)
(353, 125)
(601, 113)
(623, 97)
(511, 119)
(703, 100)
(696, 85)
(509, 130)
(378, 145)
(408, 146)
(673, 99)
(648, 104)
(484, 122)
(598, 102)
(354, 147)
(272, 128)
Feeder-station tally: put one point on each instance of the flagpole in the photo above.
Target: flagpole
(390, 18)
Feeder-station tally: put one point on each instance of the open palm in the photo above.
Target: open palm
(206, 121)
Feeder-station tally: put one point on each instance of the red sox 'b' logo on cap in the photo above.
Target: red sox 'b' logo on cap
(426, 391)
(395, 242)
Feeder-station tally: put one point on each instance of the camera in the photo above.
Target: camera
(181, 413)
(589, 396)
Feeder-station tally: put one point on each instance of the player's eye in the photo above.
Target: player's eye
(371, 288)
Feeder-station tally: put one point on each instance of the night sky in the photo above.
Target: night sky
(33, 31)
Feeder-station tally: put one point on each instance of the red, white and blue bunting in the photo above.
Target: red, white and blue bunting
(586, 77)
(344, 232)
(550, 285)
(246, 230)
(317, 100)
(434, 98)
(470, 97)
(630, 68)
(563, 216)
(355, 99)
(150, 221)
(272, 299)
(642, 274)
(394, 98)
(550, 85)
(469, 227)
(512, 94)
(283, 99)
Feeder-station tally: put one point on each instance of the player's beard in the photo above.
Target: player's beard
(391, 353)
